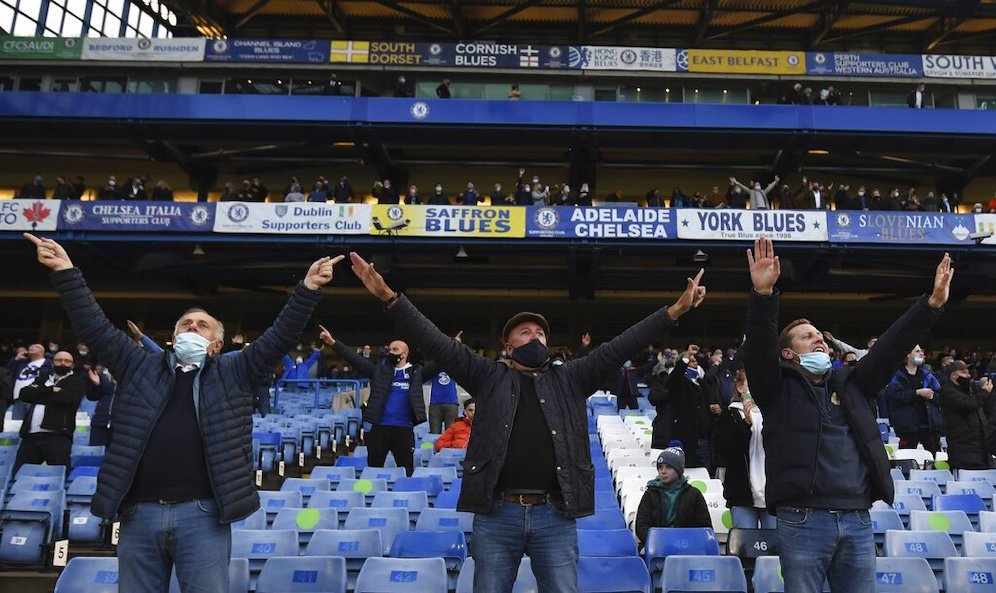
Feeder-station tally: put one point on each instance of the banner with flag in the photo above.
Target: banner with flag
(297, 218)
(29, 215)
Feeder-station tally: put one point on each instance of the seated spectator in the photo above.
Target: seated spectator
(162, 192)
(458, 434)
(670, 501)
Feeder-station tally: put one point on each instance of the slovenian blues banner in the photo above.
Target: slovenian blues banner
(901, 228)
(296, 218)
(29, 215)
(286, 51)
(748, 225)
(131, 216)
(601, 222)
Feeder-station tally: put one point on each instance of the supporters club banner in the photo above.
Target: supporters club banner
(498, 222)
(857, 64)
(301, 218)
(951, 66)
(115, 215)
(267, 51)
(902, 228)
(748, 225)
(593, 57)
(602, 222)
(464, 54)
(39, 48)
(986, 223)
(144, 50)
(741, 61)
(29, 215)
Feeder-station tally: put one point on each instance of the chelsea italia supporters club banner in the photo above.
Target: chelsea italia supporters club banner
(748, 225)
(604, 222)
(112, 215)
(902, 228)
(498, 222)
(29, 215)
(303, 218)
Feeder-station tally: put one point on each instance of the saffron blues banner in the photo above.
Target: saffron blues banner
(593, 57)
(952, 66)
(115, 215)
(986, 223)
(858, 64)
(493, 222)
(144, 50)
(287, 51)
(301, 218)
(29, 215)
(600, 222)
(747, 225)
(902, 228)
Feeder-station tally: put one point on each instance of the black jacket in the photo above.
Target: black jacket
(965, 425)
(792, 424)
(905, 405)
(60, 400)
(652, 512)
(381, 376)
(690, 406)
(6, 388)
(103, 394)
(732, 439)
(660, 398)
(562, 392)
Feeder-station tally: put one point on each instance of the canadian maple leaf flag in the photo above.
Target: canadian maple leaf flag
(36, 214)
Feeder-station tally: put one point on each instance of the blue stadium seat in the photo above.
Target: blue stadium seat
(305, 521)
(388, 474)
(432, 485)
(440, 461)
(29, 522)
(447, 499)
(83, 472)
(970, 504)
(389, 521)
(84, 526)
(354, 461)
(603, 519)
(768, 576)
(750, 544)
(355, 545)
(606, 542)
(38, 483)
(33, 470)
(954, 523)
(663, 542)
(312, 574)
(940, 476)
(452, 453)
(446, 474)
(932, 546)
(904, 575)
(979, 544)
(983, 488)
(272, 501)
(414, 502)
(882, 521)
(436, 519)
(86, 455)
(305, 486)
(970, 575)
(402, 575)
(703, 573)
(613, 575)
(257, 520)
(238, 577)
(525, 580)
(448, 545)
(333, 474)
(89, 575)
(988, 475)
(368, 487)
(256, 545)
(925, 489)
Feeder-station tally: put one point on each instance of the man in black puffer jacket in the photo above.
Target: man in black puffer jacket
(178, 470)
(528, 472)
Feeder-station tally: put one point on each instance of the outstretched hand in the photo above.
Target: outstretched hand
(50, 253)
(765, 268)
(459, 336)
(942, 283)
(135, 331)
(325, 336)
(320, 272)
(690, 299)
(370, 277)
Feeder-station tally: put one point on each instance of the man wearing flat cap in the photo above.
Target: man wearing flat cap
(528, 471)
(962, 404)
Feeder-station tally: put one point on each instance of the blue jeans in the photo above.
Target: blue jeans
(751, 517)
(542, 532)
(817, 544)
(156, 537)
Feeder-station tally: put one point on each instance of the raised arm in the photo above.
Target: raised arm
(760, 347)
(362, 365)
(734, 181)
(843, 346)
(772, 185)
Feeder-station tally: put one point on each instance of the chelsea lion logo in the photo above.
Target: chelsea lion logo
(239, 212)
(220, 46)
(144, 44)
(199, 215)
(843, 220)
(420, 110)
(73, 213)
(395, 213)
(444, 379)
(547, 218)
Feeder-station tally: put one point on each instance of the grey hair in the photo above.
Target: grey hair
(219, 335)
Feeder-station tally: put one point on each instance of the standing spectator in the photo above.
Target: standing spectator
(842, 198)
(798, 95)
(413, 197)
(514, 93)
(833, 96)
(540, 194)
(135, 190)
(583, 197)
(294, 193)
(758, 195)
(110, 190)
(913, 397)
(245, 194)
(79, 188)
(736, 197)
(523, 191)
(343, 191)
(624, 386)
(679, 199)
(992, 203)
(258, 190)
(815, 197)
(48, 427)
(718, 380)
(669, 500)
(335, 86)
(162, 192)
(977, 208)
(228, 193)
(443, 402)
(443, 90)
(821, 97)
(660, 398)
(930, 202)
(6, 386)
(457, 435)
(499, 197)
(101, 389)
(402, 88)
(694, 414)
(947, 204)
(33, 189)
(25, 368)
(470, 196)
(320, 192)
(862, 201)
(437, 197)
(62, 191)
(962, 406)
(916, 98)
(655, 199)
(388, 194)
(562, 197)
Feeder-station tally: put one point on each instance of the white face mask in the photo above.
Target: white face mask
(191, 348)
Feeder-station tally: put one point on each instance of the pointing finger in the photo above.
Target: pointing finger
(32, 238)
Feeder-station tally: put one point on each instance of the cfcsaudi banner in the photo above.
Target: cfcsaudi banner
(497, 222)
(39, 48)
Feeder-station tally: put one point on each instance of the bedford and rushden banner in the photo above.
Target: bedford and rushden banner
(951, 66)
(463, 54)
(593, 57)
(144, 50)
(122, 215)
(602, 222)
(855, 64)
(748, 225)
(296, 51)
(497, 222)
(29, 215)
(40, 48)
(732, 61)
(302, 218)
(901, 227)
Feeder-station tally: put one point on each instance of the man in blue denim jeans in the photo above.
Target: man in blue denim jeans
(528, 471)
(825, 463)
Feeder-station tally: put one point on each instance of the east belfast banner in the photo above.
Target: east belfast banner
(747, 225)
(29, 215)
(855, 64)
(951, 66)
(593, 57)
(294, 218)
(460, 55)
(603, 222)
(113, 215)
(733, 61)
(39, 48)
(494, 222)
(287, 51)
(901, 228)
(143, 50)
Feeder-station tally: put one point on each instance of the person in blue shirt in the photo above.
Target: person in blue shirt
(443, 402)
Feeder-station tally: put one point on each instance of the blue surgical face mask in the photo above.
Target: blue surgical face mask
(191, 348)
(817, 363)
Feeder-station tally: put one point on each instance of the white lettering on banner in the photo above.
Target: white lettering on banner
(747, 225)
(953, 66)
(309, 219)
(493, 49)
(621, 223)
(29, 215)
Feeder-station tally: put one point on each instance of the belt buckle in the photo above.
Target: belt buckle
(165, 501)
(522, 501)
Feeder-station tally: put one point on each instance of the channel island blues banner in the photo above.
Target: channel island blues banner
(748, 225)
(735, 61)
(286, 51)
(594, 57)
(29, 215)
(601, 222)
(901, 228)
(121, 215)
(299, 218)
(489, 222)
(857, 64)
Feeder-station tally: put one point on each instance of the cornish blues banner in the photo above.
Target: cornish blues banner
(902, 228)
(115, 215)
(299, 218)
(29, 215)
(602, 222)
(747, 225)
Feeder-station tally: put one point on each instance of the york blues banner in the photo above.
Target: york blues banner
(747, 225)
(287, 51)
(29, 215)
(121, 215)
(902, 228)
(302, 218)
(858, 64)
(601, 222)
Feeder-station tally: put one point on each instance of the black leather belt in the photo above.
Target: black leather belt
(531, 497)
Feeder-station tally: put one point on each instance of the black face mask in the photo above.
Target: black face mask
(964, 381)
(61, 371)
(531, 355)
(393, 359)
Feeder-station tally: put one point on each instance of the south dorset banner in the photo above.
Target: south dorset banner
(732, 61)
(295, 218)
(748, 225)
(495, 222)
